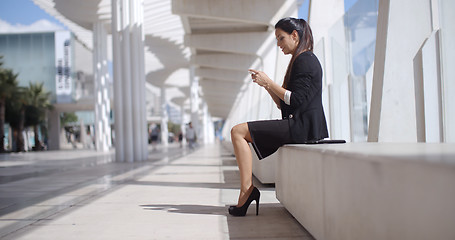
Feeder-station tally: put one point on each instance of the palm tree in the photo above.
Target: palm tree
(38, 102)
(28, 108)
(8, 86)
(16, 116)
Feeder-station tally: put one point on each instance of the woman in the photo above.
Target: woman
(300, 101)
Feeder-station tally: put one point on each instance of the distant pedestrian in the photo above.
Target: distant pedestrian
(180, 139)
(191, 136)
(154, 136)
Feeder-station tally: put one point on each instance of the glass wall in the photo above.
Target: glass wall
(32, 55)
(351, 42)
(360, 23)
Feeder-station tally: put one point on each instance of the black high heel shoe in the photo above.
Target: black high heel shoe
(241, 211)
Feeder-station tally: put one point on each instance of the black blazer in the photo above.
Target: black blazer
(306, 114)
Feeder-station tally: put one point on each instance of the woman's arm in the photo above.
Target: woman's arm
(307, 80)
(275, 98)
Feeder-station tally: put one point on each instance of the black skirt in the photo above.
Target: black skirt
(268, 135)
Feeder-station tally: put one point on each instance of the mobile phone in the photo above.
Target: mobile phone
(325, 141)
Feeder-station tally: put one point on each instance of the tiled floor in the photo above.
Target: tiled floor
(175, 195)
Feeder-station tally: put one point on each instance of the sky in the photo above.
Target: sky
(25, 16)
(23, 12)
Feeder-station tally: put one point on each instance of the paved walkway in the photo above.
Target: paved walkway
(176, 194)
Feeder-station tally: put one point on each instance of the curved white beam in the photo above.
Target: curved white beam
(225, 61)
(251, 11)
(222, 74)
(242, 43)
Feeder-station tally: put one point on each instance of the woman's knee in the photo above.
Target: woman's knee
(239, 130)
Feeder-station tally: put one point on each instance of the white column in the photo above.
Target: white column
(431, 81)
(97, 82)
(102, 104)
(128, 44)
(205, 124)
(83, 134)
(431, 101)
(378, 72)
(118, 93)
(194, 100)
(183, 124)
(126, 83)
(106, 95)
(142, 82)
(135, 81)
(209, 131)
(164, 118)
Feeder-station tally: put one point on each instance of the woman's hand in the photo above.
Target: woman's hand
(275, 91)
(260, 78)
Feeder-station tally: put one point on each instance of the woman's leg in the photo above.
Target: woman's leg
(240, 136)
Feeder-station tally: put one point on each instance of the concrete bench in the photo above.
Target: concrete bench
(370, 190)
(264, 170)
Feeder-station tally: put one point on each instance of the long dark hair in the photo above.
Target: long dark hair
(305, 39)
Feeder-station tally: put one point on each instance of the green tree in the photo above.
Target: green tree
(15, 116)
(173, 127)
(38, 103)
(27, 107)
(8, 87)
(66, 118)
